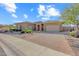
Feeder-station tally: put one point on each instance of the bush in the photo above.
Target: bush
(73, 33)
(27, 31)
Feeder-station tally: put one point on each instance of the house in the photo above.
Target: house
(40, 26)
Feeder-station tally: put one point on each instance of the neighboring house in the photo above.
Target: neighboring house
(68, 27)
(4, 28)
(1, 26)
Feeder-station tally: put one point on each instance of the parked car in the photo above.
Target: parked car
(3, 31)
(12, 30)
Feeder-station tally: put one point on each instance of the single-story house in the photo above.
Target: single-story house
(40, 26)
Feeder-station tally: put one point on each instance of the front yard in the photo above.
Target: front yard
(59, 41)
(53, 41)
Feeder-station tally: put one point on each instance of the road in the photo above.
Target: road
(14, 46)
(8, 48)
(2, 53)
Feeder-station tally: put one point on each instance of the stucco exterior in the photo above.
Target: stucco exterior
(40, 26)
(24, 25)
(52, 28)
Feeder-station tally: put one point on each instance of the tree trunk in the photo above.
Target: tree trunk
(76, 28)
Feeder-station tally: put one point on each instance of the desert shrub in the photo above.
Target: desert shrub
(73, 33)
(27, 31)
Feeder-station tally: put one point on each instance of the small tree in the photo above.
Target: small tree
(71, 15)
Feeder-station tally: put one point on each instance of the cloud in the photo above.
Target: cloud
(53, 12)
(41, 10)
(11, 8)
(14, 15)
(18, 21)
(45, 18)
(25, 16)
(48, 6)
(47, 11)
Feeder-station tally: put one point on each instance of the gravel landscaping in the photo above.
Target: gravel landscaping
(74, 43)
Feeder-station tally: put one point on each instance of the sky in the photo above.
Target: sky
(32, 12)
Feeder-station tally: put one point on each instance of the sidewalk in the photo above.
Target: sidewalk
(22, 47)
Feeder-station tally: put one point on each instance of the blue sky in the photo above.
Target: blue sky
(19, 12)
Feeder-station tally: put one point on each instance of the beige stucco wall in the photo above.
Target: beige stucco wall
(24, 25)
(48, 26)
